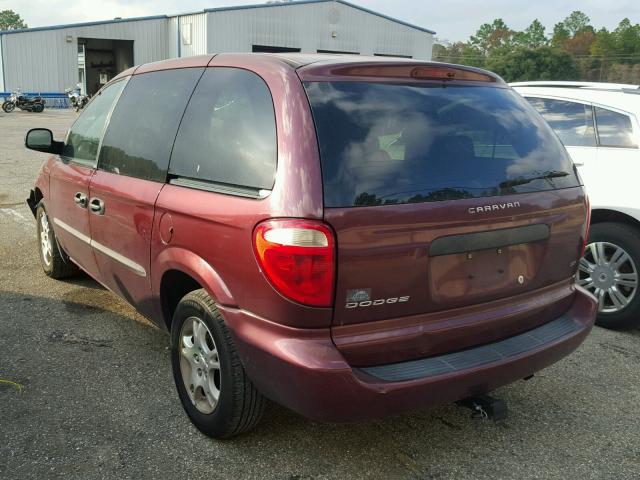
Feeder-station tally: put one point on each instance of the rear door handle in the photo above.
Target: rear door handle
(97, 206)
(80, 199)
(579, 164)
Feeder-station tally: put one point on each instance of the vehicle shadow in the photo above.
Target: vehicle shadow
(634, 332)
(84, 280)
(95, 381)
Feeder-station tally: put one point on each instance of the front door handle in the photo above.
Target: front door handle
(80, 199)
(579, 164)
(97, 206)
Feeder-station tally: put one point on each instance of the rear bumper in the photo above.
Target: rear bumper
(303, 370)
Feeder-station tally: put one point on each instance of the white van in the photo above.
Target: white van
(598, 124)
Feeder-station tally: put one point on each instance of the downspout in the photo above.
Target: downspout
(179, 46)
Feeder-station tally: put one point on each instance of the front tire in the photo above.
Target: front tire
(214, 389)
(55, 262)
(610, 269)
(8, 107)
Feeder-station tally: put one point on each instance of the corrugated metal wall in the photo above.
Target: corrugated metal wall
(44, 61)
(311, 27)
(185, 44)
(193, 34)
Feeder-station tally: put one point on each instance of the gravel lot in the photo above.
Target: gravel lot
(94, 396)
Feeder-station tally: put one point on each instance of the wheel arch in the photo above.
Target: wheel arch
(34, 198)
(600, 215)
(181, 271)
(40, 190)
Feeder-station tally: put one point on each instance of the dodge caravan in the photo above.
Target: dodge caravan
(350, 237)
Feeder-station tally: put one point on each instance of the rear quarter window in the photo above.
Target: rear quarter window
(228, 133)
(614, 129)
(386, 144)
(572, 121)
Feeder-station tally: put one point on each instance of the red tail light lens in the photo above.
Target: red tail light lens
(586, 230)
(298, 258)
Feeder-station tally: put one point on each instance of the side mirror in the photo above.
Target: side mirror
(41, 140)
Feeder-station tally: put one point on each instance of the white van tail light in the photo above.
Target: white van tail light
(586, 231)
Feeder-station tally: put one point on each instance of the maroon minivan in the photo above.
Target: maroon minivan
(347, 236)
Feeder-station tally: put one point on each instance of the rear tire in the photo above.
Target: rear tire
(55, 262)
(38, 108)
(213, 387)
(620, 246)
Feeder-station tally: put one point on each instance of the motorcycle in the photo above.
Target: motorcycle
(23, 102)
(76, 98)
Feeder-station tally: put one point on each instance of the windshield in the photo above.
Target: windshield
(386, 144)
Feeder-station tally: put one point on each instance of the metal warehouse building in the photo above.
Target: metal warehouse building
(50, 59)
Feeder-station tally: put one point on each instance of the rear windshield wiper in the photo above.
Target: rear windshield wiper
(522, 181)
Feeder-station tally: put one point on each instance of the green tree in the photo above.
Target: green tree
(544, 63)
(576, 22)
(532, 37)
(10, 20)
(576, 51)
(604, 43)
(627, 41)
(612, 50)
(560, 35)
(492, 36)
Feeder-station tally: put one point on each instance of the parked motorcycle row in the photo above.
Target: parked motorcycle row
(35, 103)
(23, 102)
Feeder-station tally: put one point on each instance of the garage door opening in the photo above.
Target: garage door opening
(101, 59)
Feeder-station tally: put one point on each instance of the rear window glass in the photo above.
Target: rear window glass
(387, 144)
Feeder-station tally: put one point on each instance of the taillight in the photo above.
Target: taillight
(298, 258)
(586, 231)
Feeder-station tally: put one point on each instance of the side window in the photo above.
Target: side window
(143, 125)
(614, 129)
(84, 136)
(228, 133)
(572, 122)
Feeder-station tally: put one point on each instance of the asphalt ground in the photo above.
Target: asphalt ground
(86, 391)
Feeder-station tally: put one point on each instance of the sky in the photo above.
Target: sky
(453, 20)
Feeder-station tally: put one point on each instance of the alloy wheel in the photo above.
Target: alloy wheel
(199, 365)
(46, 244)
(608, 271)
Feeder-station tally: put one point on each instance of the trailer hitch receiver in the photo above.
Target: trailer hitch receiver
(485, 407)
